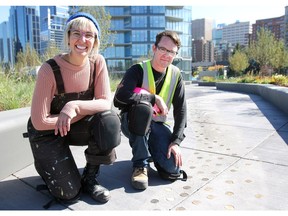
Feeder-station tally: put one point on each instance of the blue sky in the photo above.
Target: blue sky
(222, 11)
(243, 10)
(4, 13)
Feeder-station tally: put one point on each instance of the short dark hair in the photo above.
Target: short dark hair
(171, 34)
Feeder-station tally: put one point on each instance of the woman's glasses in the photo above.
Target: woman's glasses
(79, 34)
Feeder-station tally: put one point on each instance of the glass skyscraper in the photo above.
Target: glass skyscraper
(24, 29)
(5, 51)
(52, 20)
(136, 28)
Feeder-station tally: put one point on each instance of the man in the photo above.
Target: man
(154, 83)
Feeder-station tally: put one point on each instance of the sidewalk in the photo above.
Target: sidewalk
(235, 154)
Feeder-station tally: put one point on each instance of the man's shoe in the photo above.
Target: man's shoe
(139, 178)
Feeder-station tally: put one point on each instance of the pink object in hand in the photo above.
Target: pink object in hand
(144, 91)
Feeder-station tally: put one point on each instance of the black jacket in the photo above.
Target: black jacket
(124, 97)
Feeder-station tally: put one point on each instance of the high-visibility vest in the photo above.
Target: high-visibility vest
(168, 89)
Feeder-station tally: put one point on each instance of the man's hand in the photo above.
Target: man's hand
(63, 124)
(176, 151)
(161, 105)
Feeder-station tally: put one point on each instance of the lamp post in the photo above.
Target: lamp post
(192, 57)
(192, 47)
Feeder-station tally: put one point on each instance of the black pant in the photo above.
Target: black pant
(54, 161)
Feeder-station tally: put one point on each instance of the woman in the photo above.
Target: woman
(71, 105)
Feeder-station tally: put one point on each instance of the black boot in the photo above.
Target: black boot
(91, 186)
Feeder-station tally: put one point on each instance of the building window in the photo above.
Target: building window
(157, 9)
(117, 24)
(157, 21)
(139, 36)
(120, 38)
(139, 22)
(139, 10)
(139, 49)
(114, 52)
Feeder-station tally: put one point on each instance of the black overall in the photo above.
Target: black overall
(52, 156)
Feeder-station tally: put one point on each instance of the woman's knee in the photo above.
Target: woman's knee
(106, 130)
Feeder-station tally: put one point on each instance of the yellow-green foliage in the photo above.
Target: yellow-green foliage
(276, 79)
(208, 79)
(15, 91)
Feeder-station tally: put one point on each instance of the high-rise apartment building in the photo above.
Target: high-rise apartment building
(275, 25)
(237, 33)
(137, 27)
(203, 51)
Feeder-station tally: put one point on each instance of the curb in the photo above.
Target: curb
(277, 95)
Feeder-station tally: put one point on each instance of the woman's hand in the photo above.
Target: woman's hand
(63, 124)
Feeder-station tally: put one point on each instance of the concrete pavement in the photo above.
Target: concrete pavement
(235, 154)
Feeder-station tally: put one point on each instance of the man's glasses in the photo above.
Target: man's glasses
(79, 34)
(166, 51)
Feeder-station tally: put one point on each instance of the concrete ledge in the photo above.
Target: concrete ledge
(15, 151)
(203, 83)
(277, 95)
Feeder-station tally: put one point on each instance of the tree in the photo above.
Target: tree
(238, 47)
(268, 52)
(280, 59)
(238, 62)
(104, 20)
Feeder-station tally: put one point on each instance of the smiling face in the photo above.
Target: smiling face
(81, 37)
(81, 41)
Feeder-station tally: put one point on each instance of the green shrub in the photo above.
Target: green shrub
(15, 91)
(280, 80)
(208, 79)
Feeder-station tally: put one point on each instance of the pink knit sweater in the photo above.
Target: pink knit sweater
(76, 79)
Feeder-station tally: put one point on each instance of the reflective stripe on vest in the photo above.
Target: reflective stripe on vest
(168, 88)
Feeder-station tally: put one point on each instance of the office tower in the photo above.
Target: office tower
(202, 29)
(203, 48)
